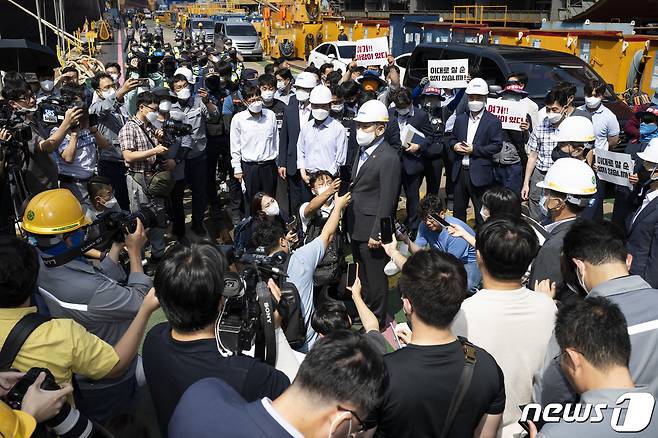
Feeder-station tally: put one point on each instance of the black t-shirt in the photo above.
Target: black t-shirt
(171, 366)
(422, 382)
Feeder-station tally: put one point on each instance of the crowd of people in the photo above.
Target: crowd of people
(515, 288)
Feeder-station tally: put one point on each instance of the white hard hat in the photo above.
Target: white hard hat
(185, 72)
(577, 129)
(650, 153)
(320, 94)
(572, 177)
(477, 86)
(306, 79)
(372, 111)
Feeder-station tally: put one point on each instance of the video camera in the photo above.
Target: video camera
(15, 124)
(247, 317)
(116, 225)
(69, 422)
(53, 108)
(175, 128)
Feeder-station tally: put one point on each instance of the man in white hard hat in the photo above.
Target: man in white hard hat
(297, 112)
(476, 138)
(322, 142)
(643, 224)
(375, 186)
(575, 138)
(567, 190)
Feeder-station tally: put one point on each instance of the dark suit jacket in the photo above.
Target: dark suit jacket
(486, 143)
(288, 137)
(643, 243)
(429, 149)
(391, 136)
(374, 192)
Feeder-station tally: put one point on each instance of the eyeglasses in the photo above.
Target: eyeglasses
(151, 108)
(362, 426)
(26, 98)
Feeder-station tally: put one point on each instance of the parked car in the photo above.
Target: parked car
(496, 62)
(243, 35)
(338, 53)
(402, 61)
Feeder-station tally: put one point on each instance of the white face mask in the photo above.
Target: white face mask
(110, 203)
(280, 85)
(402, 111)
(302, 95)
(319, 113)
(484, 213)
(47, 85)
(184, 94)
(337, 107)
(268, 95)
(115, 77)
(256, 107)
(554, 118)
(322, 189)
(272, 209)
(592, 102)
(152, 116)
(165, 106)
(475, 106)
(109, 94)
(364, 138)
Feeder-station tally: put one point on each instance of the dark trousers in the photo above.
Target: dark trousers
(509, 176)
(465, 191)
(101, 404)
(195, 177)
(259, 177)
(373, 279)
(433, 171)
(411, 185)
(299, 192)
(115, 171)
(218, 159)
(626, 202)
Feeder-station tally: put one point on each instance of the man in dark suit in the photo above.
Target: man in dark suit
(476, 137)
(321, 402)
(417, 154)
(643, 224)
(375, 187)
(297, 111)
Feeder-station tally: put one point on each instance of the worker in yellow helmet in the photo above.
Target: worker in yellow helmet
(95, 297)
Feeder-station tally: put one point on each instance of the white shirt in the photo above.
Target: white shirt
(648, 198)
(267, 404)
(253, 138)
(304, 113)
(514, 326)
(323, 146)
(363, 156)
(324, 211)
(473, 123)
(533, 109)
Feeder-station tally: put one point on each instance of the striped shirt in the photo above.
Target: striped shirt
(542, 141)
(133, 138)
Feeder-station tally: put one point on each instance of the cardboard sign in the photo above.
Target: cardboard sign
(510, 113)
(614, 167)
(371, 51)
(449, 73)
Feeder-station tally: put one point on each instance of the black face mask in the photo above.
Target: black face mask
(559, 153)
(213, 83)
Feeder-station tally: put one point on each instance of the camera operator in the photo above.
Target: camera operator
(37, 406)
(41, 172)
(189, 283)
(77, 154)
(140, 145)
(107, 106)
(301, 264)
(62, 345)
(198, 110)
(94, 297)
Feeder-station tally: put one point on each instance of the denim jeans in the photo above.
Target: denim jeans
(473, 276)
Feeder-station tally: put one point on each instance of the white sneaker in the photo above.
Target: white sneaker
(391, 268)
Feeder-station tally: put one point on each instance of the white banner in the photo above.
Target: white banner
(449, 73)
(510, 112)
(614, 167)
(371, 51)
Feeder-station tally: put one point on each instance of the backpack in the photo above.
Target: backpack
(332, 264)
(292, 318)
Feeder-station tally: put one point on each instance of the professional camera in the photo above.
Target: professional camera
(247, 317)
(119, 223)
(53, 108)
(69, 422)
(15, 124)
(175, 128)
(16, 156)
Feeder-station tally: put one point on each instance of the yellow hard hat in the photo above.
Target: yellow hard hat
(15, 424)
(341, 27)
(200, 24)
(53, 212)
